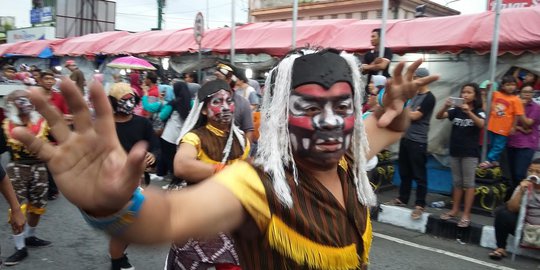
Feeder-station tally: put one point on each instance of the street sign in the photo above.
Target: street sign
(198, 28)
(513, 4)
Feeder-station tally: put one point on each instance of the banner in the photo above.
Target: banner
(512, 4)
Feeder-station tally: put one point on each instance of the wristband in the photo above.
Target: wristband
(380, 99)
(118, 223)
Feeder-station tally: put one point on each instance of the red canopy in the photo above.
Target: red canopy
(87, 44)
(275, 37)
(32, 48)
(4, 47)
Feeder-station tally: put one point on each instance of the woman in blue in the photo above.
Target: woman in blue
(467, 120)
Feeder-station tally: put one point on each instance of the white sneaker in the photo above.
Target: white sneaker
(165, 187)
(155, 177)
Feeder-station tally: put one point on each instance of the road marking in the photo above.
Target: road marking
(444, 252)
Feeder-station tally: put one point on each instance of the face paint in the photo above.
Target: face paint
(220, 107)
(24, 105)
(321, 121)
(125, 106)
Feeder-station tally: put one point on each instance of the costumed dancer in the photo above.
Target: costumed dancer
(27, 173)
(211, 141)
(308, 178)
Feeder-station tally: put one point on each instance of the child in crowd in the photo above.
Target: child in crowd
(467, 120)
(506, 109)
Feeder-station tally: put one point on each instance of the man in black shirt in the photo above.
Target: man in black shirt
(130, 129)
(372, 63)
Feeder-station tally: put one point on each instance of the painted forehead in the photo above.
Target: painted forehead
(322, 68)
(340, 89)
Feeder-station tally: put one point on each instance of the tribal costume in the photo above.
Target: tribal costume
(299, 223)
(214, 146)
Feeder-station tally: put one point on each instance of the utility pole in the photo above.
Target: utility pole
(160, 13)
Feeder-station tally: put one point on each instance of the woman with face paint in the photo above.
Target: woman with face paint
(209, 141)
(27, 173)
(304, 202)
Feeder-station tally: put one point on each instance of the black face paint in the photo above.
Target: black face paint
(323, 68)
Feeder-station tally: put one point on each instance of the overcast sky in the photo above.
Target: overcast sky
(139, 15)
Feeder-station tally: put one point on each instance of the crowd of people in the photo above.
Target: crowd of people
(252, 171)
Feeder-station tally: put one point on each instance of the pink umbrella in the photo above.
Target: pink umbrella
(131, 62)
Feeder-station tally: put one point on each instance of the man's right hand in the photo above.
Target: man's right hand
(89, 165)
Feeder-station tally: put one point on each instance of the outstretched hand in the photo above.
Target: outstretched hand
(401, 88)
(89, 165)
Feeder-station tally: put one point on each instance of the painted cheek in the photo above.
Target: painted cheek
(303, 122)
(349, 123)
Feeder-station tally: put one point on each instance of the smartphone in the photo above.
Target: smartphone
(456, 101)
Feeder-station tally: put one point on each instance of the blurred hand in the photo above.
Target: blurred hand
(149, 159)
(89, 165)
(401, 88)
(465, 108)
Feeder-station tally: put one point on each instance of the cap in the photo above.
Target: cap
(118, 90)
(69, 63)
(378, 80)
(421, 72)
(485, 83)
(224, 69)
(212, 87)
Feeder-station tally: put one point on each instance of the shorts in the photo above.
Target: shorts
(30, 183)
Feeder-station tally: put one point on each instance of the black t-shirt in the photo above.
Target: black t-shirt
(370, 56)
(135, 130)
(465, 134)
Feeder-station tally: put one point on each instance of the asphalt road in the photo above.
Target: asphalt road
(77, 246)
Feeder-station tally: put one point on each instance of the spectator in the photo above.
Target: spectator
(76, 75)
(413, 149)
(506, 217)
(529, 78)
(244, 90)
(373, 64)
(467, 121)
(524, 142)
(506, 109)
(9, 75)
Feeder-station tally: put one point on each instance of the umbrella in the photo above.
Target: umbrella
(131, 62)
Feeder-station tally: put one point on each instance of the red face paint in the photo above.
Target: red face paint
(321, 121)
(220, 107)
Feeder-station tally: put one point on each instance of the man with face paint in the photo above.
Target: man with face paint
(303, 204)
(130, 129)
(211, 141)
(27, 173)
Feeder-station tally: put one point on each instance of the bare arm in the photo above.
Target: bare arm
(525, 121)
(17, 217)
(199, 211)
(478, 121)
(514, 203)
(415, 115)
(188, 167)
(377, 64)
(443, 112)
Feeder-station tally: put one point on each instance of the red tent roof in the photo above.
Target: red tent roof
(32, 48)
(87, 44)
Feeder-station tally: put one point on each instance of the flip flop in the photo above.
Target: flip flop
(497, 254)
(447, 216)
(464, 223)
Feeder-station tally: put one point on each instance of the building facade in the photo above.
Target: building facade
(281, 10)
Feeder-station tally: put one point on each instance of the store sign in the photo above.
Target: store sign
(32, 33)
(513, 4)
(41, 15)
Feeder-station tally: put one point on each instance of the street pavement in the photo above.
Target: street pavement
(77, 246)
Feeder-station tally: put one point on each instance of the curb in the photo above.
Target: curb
(477, 234)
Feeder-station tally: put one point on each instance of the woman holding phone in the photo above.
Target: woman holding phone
(467, 120)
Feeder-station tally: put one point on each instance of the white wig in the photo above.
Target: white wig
(274, 153)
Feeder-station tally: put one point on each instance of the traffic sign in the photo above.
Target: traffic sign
(198, 28)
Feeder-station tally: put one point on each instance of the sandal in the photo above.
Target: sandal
(464, 223)
(447, 216)
(417, 212)
(395, 202)
(498, 254)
